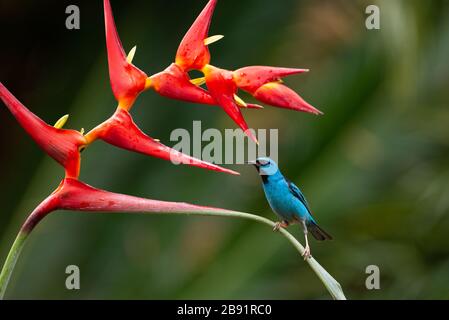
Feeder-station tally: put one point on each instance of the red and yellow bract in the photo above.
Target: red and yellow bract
(127, 81)
(121, 131)
(60, 144)
(193, 52)
(265, 84)
(223, 88)
(174, 83)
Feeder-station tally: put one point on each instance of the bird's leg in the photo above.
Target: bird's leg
(306, 253)
(280, 224)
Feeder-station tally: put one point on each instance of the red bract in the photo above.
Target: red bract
(279, 95)
(252, 78)
(60, 144)
(127, 81)
(193, 52)
(175, 83)
(222, 87)
(77, 196)
(121, 131)
(264, 83)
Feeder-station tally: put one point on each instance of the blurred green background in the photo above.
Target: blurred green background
(375, 167)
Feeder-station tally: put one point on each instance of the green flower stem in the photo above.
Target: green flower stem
(11, 260)
(332, 285)
(329, 282)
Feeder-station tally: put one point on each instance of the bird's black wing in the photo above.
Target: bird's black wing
(298, 194)
(314, 229)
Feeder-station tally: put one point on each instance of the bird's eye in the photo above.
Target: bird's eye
(264, 163)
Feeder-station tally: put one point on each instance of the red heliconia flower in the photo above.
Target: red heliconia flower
(176, 84)
(75, 195)
(222, 88)
(193, 52)
(265, 84)
(127, 81)
(60, 144)
(121, 131)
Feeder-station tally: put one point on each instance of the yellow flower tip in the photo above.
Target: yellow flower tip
(82, 131)
(212, 39)
(61, 122)
(239, 101)
(198, 81)
(126, 104)
(255, 141)
(157, 140)
(148, 83)
(131, 54)
(206, 69)
(271, 85)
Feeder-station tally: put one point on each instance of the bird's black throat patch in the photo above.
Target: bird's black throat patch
(264, 178)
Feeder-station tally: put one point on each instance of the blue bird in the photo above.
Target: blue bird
(287, 201)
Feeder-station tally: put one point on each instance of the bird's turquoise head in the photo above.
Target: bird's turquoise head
(265, 166)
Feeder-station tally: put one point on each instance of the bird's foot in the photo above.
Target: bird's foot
(279, 225)
(306, 255)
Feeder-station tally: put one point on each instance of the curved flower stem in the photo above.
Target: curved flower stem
(329, 282)
(30, 223)
(11, 260)
(332, 286)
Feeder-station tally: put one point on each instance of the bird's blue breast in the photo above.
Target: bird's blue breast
(282, 201)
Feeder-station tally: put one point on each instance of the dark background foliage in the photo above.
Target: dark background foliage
(375, 168)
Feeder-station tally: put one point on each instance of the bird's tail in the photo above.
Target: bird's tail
(318, 233)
